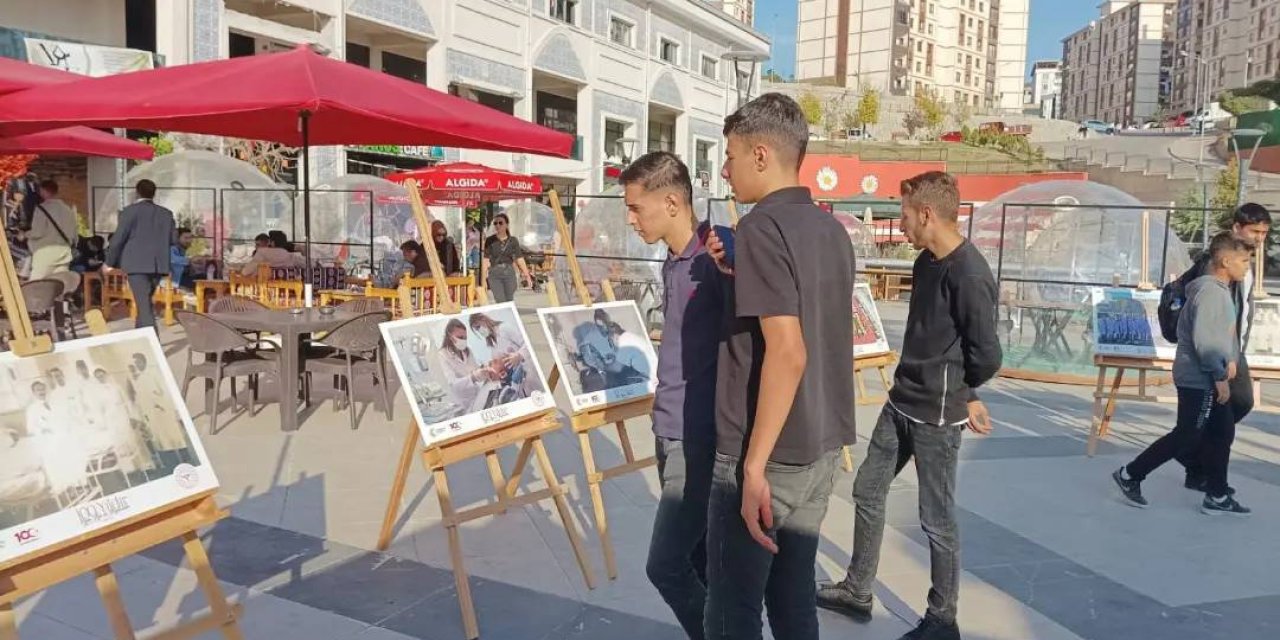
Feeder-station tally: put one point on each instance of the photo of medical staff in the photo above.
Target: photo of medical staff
(464, 364)
(78, 425)
(602, 350)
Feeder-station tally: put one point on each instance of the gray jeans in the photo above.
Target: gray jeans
(502, 283)
(677, 563)
(743, 578)
(895, 441)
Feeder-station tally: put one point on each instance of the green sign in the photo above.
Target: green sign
(408, 151)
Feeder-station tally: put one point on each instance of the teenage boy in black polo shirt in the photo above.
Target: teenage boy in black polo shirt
(659, 198)
(949, 350)
(784, 394)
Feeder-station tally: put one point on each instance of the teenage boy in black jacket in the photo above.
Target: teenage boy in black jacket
(949, 350)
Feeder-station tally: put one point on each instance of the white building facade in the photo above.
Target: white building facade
(1046, 86)
(970, 52)
(1117, 68)
(605, 71)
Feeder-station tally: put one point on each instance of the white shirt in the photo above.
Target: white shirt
(1246, 291)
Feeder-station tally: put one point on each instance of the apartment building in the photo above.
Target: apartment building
(1222, 45)
(743, 11)
(1117, 68)
(970, 52)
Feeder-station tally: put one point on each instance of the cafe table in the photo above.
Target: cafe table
(293, 326)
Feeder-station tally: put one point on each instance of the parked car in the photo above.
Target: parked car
(1097, 126)
(952, 136)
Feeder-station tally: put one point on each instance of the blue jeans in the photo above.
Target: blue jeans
(677, 563)
(895, 441)
(743, 578)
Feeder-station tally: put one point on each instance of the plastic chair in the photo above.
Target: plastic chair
(227, 354)
(363, 305)
(357, 345)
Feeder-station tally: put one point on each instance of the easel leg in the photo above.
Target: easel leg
(553, 378)
(862, 386)
(199, 560)
(495, 474)
(105, 579)
(522, 460)
(8, 622)
(625, 439)
(566, 516)
(397, 486)
(594, 479)
(1109, 409)
(848, 458)
(884, 378)
(463, 585)
(1096, 417)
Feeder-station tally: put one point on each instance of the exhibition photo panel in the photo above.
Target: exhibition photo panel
(467, 371)
(92, 433)
(603, 352)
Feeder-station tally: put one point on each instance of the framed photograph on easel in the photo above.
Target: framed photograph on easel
(1263, 350)
(603, 352)
(92, 433)
(868, 331)
(466, 371)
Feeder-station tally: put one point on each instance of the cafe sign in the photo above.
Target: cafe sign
(407, 151)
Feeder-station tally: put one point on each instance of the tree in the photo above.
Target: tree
(962, 112)
(773, 76)
(1188, 222)
(1268, 89)
(913, 121)
(868, 110)
(161, 145)
(1237, 104)
(811, 105)
(932, 110)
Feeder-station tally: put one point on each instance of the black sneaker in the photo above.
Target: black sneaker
(931, 628)
(1201, 485)
(1226, 506)
(838, 597)
(1131, 489)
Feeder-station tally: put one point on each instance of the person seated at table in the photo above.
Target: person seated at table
(416, 255)
(93, 252)
(281, 241)
(179, 263)
(272, 255)
(463, 375)
(446, 249)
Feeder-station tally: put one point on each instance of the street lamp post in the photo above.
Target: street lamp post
(750, 61)
(1242, 163)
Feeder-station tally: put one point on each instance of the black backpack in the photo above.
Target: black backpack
(1173, 296)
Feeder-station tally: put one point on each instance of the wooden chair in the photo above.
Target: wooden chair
(227, 354)
(461, 289)
(249, 286)
(421, 295)
(283, 294)
(169, 296)
(357, 351)
(115, 288)
(390, 299)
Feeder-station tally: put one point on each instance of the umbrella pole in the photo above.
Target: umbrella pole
(305, 116)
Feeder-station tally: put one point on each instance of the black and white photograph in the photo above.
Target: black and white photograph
(466, 371)
(603, 352)
(90, 434)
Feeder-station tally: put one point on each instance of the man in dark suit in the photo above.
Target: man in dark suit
(140, 248)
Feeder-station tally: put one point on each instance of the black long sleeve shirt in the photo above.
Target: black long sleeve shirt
(950, 347)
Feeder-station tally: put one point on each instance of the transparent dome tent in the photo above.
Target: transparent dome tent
(1051, 246)
(197, 185)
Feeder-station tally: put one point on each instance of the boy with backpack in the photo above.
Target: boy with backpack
(1250, 224)
(1206, 363)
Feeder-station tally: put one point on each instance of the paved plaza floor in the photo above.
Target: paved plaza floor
(1049, 551)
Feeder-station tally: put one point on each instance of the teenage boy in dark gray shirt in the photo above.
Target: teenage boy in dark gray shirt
(949, 350)
(1206, 362)
(659, 199)
(784, 394)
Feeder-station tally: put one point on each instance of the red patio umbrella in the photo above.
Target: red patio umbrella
(298, 98)
(469, 184)
(75, 141)
(16, 75)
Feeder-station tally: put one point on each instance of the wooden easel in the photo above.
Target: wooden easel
(879, 362)
(1104, 402)
(588, 420)
(96, 551)
(526, 432)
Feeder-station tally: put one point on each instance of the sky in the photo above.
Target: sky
(1051, 21)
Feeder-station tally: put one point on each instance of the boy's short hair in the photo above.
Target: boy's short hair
(182, 230)
(936, 189)
(659, 170)
(50, 185)
(1251, 213)
(1225, 243)
(775, 119)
